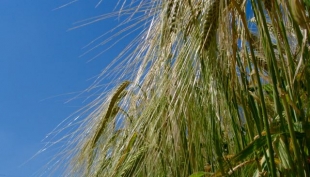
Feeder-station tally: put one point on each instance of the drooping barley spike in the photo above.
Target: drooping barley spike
(169, 8)
(110, 111)
(210, 24)
(195, 15)
(172, 19)
(117, 96)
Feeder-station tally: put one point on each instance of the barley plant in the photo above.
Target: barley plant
(209, 88)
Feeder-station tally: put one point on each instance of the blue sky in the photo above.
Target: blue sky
(39, 68)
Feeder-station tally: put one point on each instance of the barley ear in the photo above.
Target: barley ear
(210, 24)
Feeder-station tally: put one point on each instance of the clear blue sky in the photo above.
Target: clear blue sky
(39, 60)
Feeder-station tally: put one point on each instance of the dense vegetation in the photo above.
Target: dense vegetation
(213, 88)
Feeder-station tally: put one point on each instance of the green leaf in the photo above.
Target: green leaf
(307, 2)
(254, 146)
(280, 150)
(198, 174)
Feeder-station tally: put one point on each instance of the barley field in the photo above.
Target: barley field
(209, 88)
